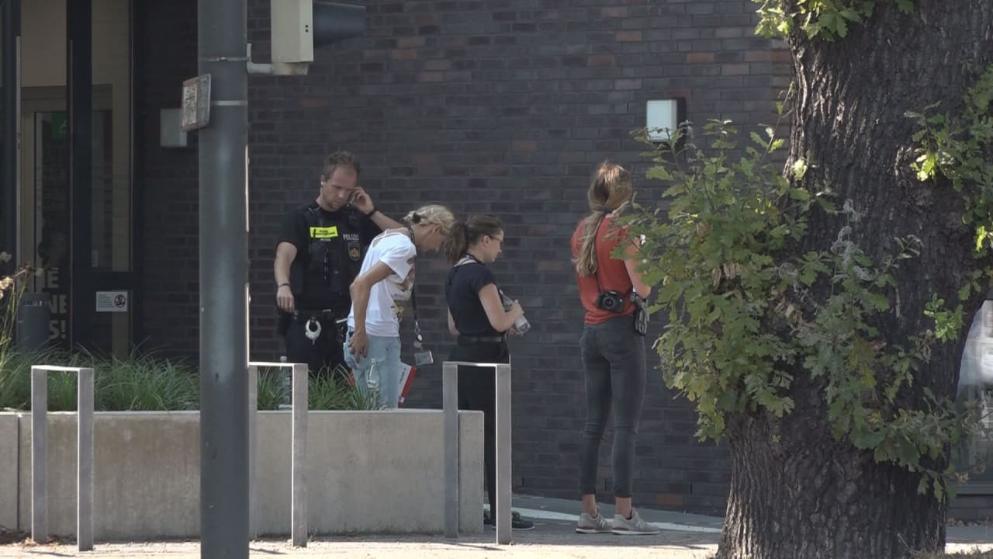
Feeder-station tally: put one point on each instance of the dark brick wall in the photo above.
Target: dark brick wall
(165, 182)
(497, 106)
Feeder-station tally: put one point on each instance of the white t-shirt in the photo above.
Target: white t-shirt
(396, 250)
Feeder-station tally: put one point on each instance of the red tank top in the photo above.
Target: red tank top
(612, 274)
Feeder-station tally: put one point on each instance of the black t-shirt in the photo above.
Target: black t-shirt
(462, 293)
(330, 247)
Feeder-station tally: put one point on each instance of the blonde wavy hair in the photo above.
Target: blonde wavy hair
(610, 189)
(432, 214)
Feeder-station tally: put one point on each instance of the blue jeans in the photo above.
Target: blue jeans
(378, 373)
(614, 359)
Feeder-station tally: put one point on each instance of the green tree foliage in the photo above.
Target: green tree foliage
(748, 309)
(825, 19)
(960, 149)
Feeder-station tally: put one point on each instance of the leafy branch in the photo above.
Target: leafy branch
(824, 19)
(748, 310)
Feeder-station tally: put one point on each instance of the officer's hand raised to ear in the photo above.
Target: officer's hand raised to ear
(284, 298)
(361, 201)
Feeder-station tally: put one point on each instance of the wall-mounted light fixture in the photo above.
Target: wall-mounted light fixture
(171, 133)
(662, 118)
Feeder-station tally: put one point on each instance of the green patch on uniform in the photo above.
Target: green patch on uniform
(324, 232)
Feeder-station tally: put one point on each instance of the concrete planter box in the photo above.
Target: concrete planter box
(366, 472)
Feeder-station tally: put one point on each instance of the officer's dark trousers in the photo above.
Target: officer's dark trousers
(323, 355)
(477, 391)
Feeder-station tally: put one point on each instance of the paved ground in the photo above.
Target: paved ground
(684, 536)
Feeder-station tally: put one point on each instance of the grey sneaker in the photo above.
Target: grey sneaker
(633, 526)
(589, 524)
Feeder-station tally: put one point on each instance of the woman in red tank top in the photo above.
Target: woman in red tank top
(613, 352)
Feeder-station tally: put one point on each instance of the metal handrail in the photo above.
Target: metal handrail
(450, 399)
(298, 482)
(84, 453)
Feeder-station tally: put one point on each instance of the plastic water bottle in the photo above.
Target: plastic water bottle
(521, 324)
(373, 381)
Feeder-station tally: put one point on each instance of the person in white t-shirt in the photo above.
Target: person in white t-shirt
(372, 347)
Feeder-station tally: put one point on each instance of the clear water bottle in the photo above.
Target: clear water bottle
(521, 324)
(372, 382)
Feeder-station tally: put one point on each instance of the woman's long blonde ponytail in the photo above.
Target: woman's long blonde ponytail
(609, 190)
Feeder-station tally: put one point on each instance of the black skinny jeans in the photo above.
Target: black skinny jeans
(477, 391)
(614, 359)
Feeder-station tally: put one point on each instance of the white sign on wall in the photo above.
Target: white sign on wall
(112, 301)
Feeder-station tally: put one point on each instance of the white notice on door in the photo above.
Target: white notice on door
(112, 301)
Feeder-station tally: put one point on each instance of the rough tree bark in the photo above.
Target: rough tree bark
(795, 491)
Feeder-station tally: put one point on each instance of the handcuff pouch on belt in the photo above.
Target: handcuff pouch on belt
(314, 323)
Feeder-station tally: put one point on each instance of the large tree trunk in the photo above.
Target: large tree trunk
(795, 491)
(810, 496)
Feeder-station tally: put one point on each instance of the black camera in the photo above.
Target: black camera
(610, 301)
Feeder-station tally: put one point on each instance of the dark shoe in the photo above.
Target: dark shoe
(516, 521)
(519, 523)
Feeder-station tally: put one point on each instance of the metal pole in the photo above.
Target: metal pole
(449, 387)
(298, 448)
(84, 459)
(79, 79)
(298, 505)
(253, 445)
(450, 404)
(84, 453)
(39, 454)
(503, 500)
(224, 490)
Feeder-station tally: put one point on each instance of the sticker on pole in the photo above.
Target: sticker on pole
(112, 301)
(196, 103)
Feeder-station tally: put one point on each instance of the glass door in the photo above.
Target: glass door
(50, 220)
(47, 228)
(77, 225)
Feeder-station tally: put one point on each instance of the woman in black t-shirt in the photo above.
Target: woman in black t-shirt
(478, 318)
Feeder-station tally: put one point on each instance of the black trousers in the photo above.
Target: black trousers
(325, 355)
(477, 391)
(614, 359)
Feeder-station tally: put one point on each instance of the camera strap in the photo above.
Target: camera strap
(422, 355)
(596, 274)
(641, 315)
(468, 259)
(418, 338)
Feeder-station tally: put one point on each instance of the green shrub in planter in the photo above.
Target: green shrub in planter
(143, 382)
(273, 389)
(326, 393)
(140, 382)
(15, 380)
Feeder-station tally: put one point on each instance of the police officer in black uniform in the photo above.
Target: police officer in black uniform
(318, 254)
